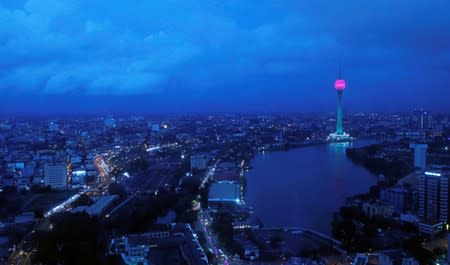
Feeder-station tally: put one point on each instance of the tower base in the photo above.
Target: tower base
(339, 137)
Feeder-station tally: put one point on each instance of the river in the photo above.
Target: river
(303, 187)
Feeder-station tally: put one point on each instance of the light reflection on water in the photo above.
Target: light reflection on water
(339, 148)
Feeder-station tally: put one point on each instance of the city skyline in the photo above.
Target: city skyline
(86, 56)
(207, 132)
(136, 183)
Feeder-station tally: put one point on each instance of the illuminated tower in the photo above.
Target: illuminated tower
(340, 86)
(339, 135)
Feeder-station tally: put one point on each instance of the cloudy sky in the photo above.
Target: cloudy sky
(215, 55)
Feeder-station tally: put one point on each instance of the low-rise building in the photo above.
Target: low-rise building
(199, 162)
(171, 244)
(225, 191)
(372, 209)
(24, 218)
(101, 205)
(430, 227)
(401, 198)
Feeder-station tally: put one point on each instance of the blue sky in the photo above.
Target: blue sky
(208, 55)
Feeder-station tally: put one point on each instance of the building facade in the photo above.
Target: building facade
(199, 162)
(55, 176)
(433, 196)
(420, 155)
(399, 197)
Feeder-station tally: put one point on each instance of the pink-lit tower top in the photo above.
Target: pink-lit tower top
(339, 84)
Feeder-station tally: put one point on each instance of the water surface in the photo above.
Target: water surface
(303, 187)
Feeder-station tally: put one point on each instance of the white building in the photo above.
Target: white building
(420, 155)
(225, 191)
(199, 162)
(155, 127)
(55, 176)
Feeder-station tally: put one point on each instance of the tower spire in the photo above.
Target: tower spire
(340, 70)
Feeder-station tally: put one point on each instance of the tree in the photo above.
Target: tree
(223, 226)
(344, 229)
(38, 214)
(275, 242)
(117, 189)
(137, 165)
(414, 245)
(74, 239)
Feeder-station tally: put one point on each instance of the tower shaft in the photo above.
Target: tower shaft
(339, 129)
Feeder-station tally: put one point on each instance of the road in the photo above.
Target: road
(204, 225)
(212, 243)
(209, 175)
(21, 255)
(153, 183)
(103, 170)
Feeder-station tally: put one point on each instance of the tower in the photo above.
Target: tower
(340, 86)
(339, 135)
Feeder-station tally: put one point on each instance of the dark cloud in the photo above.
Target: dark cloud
(219, 49)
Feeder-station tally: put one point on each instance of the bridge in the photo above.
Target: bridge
(314, 235)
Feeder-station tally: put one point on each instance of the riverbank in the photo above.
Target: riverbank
(374, 159)
(282, 193)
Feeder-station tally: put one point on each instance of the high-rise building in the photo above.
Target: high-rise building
(420, 155)
(425, 120)
(110, 123)
(339, 135)
(433, 196)
(422, 119)
(55, 176)
(53, 126)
